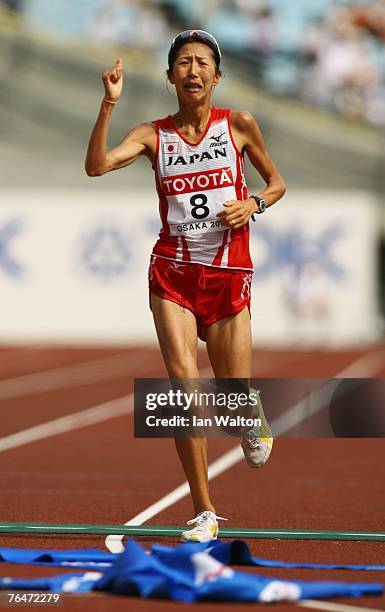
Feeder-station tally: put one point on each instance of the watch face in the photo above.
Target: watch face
(262, 205)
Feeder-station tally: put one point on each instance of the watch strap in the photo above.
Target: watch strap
(257, 200)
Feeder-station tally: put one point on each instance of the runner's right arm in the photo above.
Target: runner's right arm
(139, 141)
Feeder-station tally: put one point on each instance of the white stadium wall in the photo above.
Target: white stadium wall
(73, 268)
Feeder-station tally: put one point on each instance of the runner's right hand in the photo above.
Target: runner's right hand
(113, 81)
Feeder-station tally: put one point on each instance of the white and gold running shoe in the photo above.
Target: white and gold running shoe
(257, 443)
(206, 527)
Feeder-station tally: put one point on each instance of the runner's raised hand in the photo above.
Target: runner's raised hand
(113, 81)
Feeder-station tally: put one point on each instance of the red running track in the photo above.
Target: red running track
(101, 474)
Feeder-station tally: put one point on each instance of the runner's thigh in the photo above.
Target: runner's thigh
(177, 334)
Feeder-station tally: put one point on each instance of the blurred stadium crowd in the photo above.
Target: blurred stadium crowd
(329, 53)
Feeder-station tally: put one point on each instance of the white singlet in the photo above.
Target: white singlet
(193, 182)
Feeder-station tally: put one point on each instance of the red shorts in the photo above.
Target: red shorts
(210, 293)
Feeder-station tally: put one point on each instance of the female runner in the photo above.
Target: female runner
(200, 271)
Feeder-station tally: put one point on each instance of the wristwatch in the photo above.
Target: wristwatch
(261, 205)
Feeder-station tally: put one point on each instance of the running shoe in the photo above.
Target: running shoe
(206, 527)
(257, 443)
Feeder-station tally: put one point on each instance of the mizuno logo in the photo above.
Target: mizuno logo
(218, 141)
(217, 138)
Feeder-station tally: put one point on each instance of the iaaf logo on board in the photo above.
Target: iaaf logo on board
(188, 183)
(9, 264)
(295, 249)
(104, 251)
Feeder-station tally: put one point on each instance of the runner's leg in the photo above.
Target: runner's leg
(229, 346)
(177, 334)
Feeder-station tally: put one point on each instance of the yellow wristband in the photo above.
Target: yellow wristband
(110, 101)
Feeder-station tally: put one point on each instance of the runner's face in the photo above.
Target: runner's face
(194, 72)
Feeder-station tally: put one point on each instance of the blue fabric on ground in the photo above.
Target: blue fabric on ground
(84, 558)
(69, 583)
(188, 572)
(236, 552)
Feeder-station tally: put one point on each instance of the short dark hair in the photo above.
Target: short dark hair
(193, 36)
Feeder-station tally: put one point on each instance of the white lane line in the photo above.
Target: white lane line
(20, 349)
(88, 372)
(303, 409)
(114, 543)
(361, 368)
(84, 418)
(9, 358)
(330, 606)
(216, 468)
(364, 366)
